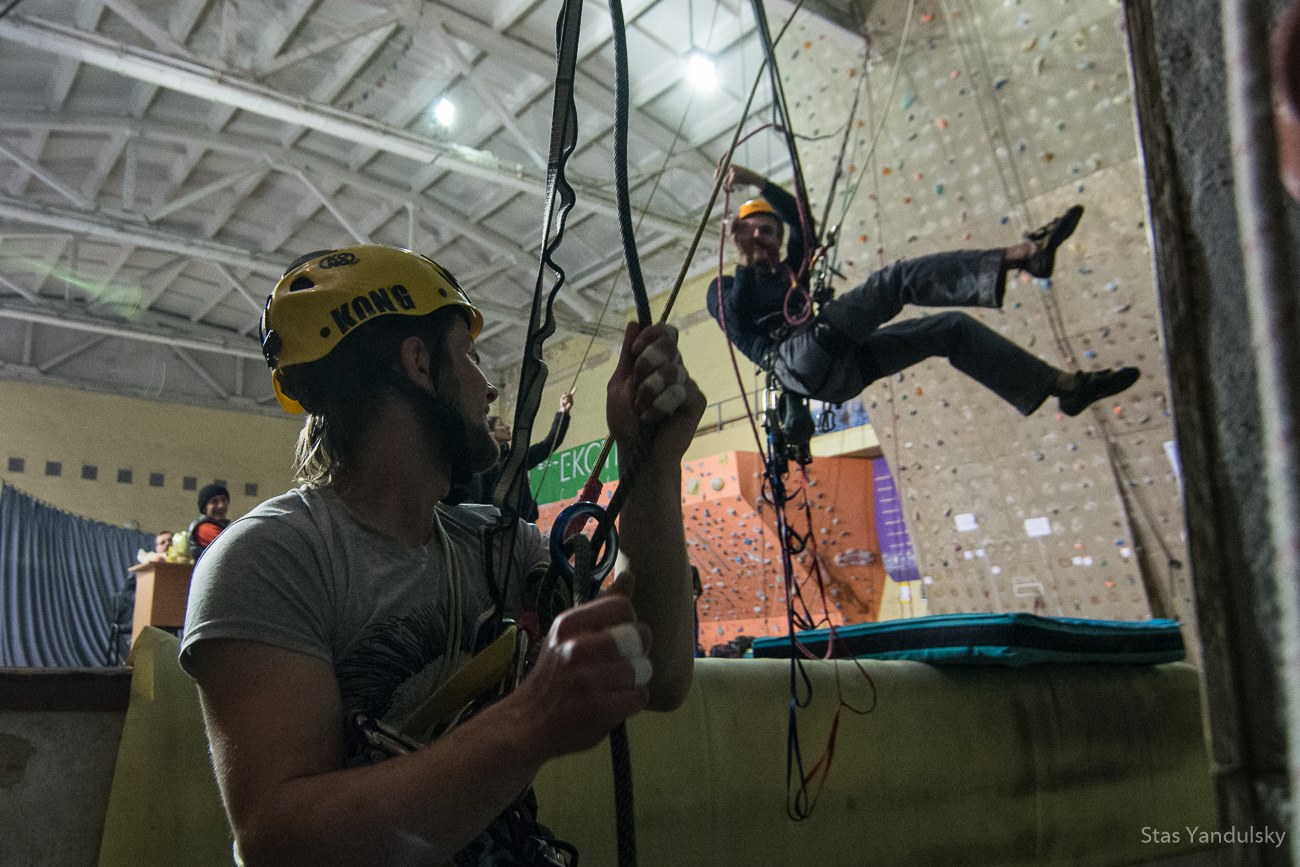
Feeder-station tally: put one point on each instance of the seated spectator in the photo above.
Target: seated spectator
(214, 501)
(162, 543)
(123, 603)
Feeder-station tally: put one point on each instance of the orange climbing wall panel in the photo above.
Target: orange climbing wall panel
(731, 538)
(731, 531)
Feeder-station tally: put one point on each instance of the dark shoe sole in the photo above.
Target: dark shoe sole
(1095, 385)
(1047, 239)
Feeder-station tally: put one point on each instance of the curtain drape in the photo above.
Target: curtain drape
(59, 574)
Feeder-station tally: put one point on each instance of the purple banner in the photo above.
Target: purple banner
(891, 527)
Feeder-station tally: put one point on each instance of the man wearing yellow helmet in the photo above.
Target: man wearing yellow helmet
(764, 309)
(353, 596)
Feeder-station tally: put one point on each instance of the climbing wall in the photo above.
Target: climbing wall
(730, 531)
(996, 116)
(731, 539)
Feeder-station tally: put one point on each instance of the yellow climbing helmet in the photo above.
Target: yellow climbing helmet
(756, 206)
(323, 297)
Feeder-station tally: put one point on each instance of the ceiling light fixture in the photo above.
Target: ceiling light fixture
(445, 112)
(700, 71)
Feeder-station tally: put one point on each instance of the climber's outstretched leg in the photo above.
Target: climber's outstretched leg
(1015, 375)
(956, 278)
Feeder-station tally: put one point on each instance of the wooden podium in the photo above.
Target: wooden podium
(161, 593)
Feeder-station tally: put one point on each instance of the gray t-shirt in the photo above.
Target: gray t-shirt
(300, 572)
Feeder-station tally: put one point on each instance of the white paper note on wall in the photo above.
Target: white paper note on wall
(1041, 526)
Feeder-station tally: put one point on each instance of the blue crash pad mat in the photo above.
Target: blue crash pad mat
(992, 639)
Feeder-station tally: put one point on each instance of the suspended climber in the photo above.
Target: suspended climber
(353, 595)
(833, 354)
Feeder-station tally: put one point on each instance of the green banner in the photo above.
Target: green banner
(562, 476)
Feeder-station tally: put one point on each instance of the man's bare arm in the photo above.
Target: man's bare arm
(274, 721)
(651, 389)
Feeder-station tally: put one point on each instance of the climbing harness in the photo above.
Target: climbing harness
(487, 677)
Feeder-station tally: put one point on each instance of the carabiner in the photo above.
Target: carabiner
(561, 547)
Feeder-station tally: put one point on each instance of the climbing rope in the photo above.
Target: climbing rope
(803, 785)
(508, 493)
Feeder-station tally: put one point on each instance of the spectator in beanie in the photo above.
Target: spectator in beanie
(214, 502)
